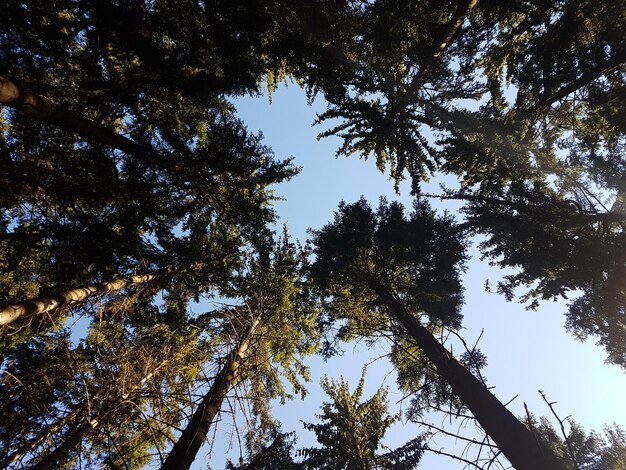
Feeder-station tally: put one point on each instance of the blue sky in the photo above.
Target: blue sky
(526, 351)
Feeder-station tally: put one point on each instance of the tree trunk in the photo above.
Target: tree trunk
(14, 95)
(41, 305)
(515, 441)
(58, 454)
(32, 444)
(184, 451)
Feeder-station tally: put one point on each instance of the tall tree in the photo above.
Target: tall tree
(404, 273)
(549, 117)
(270, 330)
(192, 221)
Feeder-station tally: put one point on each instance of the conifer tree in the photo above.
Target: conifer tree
(351, 432)
(382, 271)
(268, 334)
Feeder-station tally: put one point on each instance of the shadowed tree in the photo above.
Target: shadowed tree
(403, 274)
(109, 400)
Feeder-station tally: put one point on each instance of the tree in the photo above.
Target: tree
(119, 161)
(111, 399)
(561, 134)
(192, 222)
(350, 437)
(276, 452)
(270, 330)
(582, 450)
(403, 274)
(351, 431)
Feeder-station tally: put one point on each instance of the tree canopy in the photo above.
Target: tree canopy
(131, 192)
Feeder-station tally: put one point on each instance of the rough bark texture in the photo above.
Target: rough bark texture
(39, 306)
(515, 441)
(194, 435)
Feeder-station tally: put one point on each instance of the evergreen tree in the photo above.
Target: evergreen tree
(351, 432)
(382, 271)
(112, 399)
(581, 450)
(269, 332)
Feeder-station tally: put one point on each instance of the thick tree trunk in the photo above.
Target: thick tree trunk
(184, 451)
(515, 441)
(14, 95)
(42, 305)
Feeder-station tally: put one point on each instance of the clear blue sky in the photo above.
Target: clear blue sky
(526, 351)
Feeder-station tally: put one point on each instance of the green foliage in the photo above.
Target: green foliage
(365, 256)
(276, 453)
(351, 432)
(542, 173)
(582, 450)
(564, 247)
(112, 399)
(418, 256)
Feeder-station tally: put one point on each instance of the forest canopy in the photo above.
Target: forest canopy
(131, 192)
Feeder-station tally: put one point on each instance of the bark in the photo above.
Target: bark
(41, 305)
(32, 444)
(193, 436)
(50, 461)
(15, 96)
(515, 441)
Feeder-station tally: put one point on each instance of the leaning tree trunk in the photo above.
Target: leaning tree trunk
(514, 439)
(41, 305)
(71, 441)
(32, 444)
(14, 95)
(186, 448)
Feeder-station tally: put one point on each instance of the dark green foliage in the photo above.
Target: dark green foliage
(418, 256)
(365, 255)
(383, 108)
(563, 247)
(276, 453)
